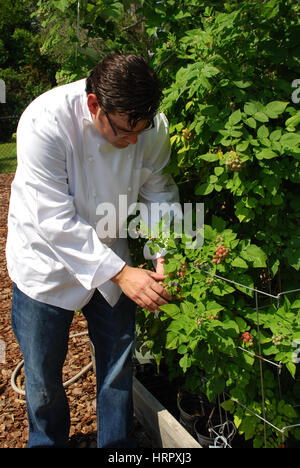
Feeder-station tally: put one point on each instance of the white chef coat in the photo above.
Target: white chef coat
(65, 170)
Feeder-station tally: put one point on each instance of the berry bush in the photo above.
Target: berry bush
(228, 69)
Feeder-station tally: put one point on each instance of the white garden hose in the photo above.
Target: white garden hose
(65, 384)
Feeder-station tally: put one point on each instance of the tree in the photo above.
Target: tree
(26, 71)
(91, 30)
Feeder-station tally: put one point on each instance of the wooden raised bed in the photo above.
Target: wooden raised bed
(160, 425)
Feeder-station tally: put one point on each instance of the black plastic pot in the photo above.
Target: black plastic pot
(205, 438)
(215, 430)
(191, 407)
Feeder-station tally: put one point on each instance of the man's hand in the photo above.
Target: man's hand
(160, 265)
(143, 287)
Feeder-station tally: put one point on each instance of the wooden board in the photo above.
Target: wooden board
(161, 426)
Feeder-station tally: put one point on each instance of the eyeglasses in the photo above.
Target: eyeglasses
(127, 133)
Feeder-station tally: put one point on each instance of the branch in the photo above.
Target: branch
(133, 25)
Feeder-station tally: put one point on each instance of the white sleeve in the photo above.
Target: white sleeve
(42, 152)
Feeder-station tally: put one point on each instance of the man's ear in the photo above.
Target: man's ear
(92, 103)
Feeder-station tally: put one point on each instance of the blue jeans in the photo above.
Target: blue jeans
(42, 331)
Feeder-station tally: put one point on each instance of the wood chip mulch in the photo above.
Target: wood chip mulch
(81, 393)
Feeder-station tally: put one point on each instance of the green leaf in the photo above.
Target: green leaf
(213, 179)
(261, 117)
(113, 12)
(210, 157)
(172, 340)
(239, 262)
(220, 338)
(266, 154)
(291, 367)
(228, 405)
(242, 278)
(218, 170)
(296, 305)
(248, 426)
(251, 122)
(218, 223)
(187, 308)
(213, 307)
(241, 324)
(170, 266)
(170, 309)
(250, 108)
(290, 140)
(221, 289)
(172, 244)
(293, 121)
(254, 254)
(263, 132)
(204, 189)
(243, 145)
(274, 267)
(176, 325)
(292, 254)
(209, 233)
(275, 135)
(214, 387)
(185, 362)
(259, 190)
(237, 421)
(275, 108)
(182, 349)
(231, 327)
(235, 118)
(231, 133)
(62, 5)
(242, 84)
(242, 213)
(277, 200)
(248, 359)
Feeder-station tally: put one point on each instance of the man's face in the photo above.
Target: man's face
(114, 127)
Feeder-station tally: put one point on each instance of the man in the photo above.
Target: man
(81, 145)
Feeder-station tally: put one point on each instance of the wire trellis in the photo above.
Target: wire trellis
(259, 356)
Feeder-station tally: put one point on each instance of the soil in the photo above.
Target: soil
(81, 394)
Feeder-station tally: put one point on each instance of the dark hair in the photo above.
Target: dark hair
(125, 84)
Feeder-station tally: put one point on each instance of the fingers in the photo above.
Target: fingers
(143, 287)
(160, 265)
(152, 301)
(155, 296)
(159, 289)
(157, 276)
